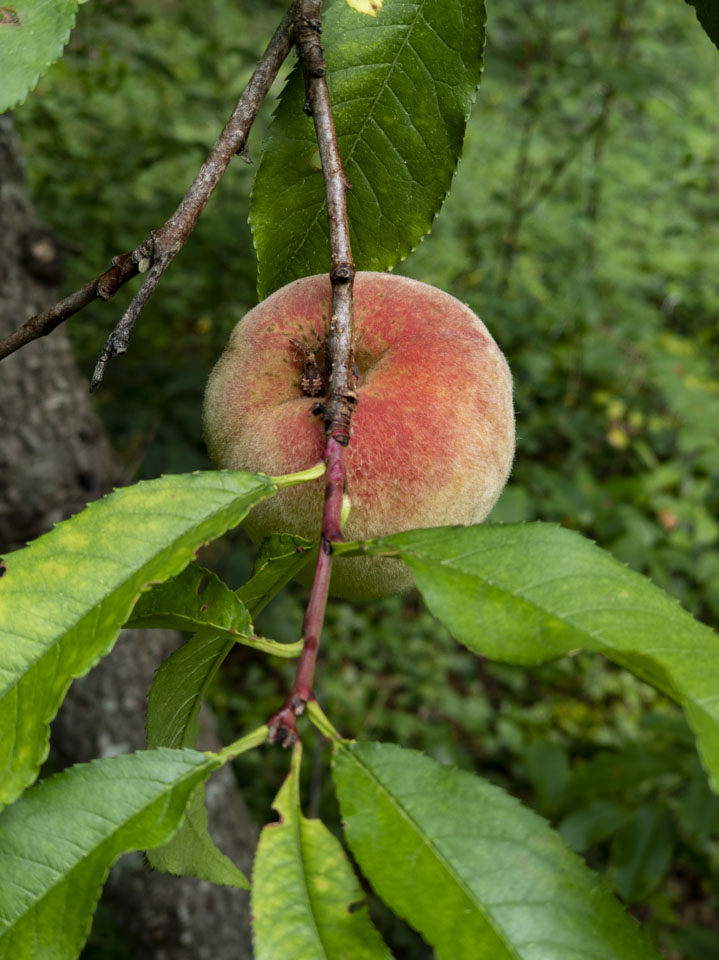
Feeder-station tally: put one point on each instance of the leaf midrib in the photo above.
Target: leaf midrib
(297, 832)
(447, 865)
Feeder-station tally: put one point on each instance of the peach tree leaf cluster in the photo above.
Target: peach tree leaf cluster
(399, 159)
(33, 35)
(520, 593)
(183, 679)
(65, 597)
(471, 868)
(527, 593)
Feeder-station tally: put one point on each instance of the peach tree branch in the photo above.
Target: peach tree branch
(342, 397)
(158, 250)
(124, 268)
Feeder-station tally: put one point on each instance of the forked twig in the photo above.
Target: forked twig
(158, 250)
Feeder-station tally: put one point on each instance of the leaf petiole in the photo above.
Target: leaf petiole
(302, 476)
(251, 740)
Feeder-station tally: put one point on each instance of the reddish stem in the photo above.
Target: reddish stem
(331, 533)
(282, 728)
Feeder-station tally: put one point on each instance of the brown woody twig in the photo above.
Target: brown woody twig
(103, 287)
(158, 250)
(342, 397)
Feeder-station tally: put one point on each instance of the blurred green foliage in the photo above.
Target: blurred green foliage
(584, 228)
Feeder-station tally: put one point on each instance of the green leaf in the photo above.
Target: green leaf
(191, 851)
(183, 679)
(401, 87)
(306, 901)
(32, 36)
(65, 597)
(197, 599)
(197, 855)
(642, 851)
(526, 593)
(174, 701)
(193, 600)
(173, 710)
(707, 12)
(59, 840)
(475, 872)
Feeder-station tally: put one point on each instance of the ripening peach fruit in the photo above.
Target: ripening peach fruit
(432, 434)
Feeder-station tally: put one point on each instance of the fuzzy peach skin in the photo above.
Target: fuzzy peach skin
(432, 435)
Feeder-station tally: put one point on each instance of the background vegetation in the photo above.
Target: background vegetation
(582, 227)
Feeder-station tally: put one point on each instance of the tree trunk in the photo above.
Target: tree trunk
(54, 457)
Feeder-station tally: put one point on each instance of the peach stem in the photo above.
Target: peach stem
(342, 398)
(282, 727)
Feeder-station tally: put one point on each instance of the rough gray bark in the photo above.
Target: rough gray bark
(54, 457)
(53, 454)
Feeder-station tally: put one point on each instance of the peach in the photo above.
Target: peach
(432, 434)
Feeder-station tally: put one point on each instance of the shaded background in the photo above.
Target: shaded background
(582, 227)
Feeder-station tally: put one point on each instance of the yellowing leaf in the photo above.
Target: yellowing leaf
(370, 7)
